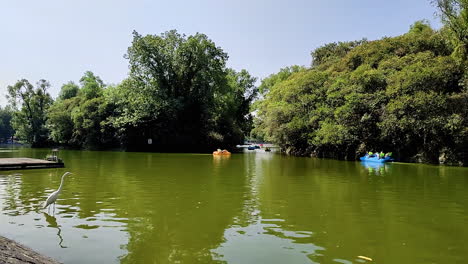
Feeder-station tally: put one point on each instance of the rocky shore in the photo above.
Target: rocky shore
(14, 253)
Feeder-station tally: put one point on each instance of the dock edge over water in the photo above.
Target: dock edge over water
(28, 163)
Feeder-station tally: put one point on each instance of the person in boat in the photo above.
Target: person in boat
(381, 155)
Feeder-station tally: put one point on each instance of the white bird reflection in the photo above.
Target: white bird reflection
(52, 221)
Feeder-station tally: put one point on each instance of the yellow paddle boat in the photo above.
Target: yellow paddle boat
(221, 152)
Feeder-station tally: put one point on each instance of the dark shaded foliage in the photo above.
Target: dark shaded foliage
(6, 130)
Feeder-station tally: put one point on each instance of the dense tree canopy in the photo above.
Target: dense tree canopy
(78, 116)
(181, 95)
(30, 115)
(401, 94)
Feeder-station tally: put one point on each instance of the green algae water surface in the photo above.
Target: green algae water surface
(254, 207)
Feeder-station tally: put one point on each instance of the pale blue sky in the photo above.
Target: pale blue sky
(59, 40)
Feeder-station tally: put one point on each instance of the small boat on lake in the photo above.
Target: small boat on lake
(251, 147)
(221, 152)
(375, 158)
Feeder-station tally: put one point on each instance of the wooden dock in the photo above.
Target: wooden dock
(28, 163)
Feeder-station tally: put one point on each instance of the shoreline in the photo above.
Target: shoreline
(15, 253)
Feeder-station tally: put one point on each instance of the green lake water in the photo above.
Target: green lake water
(254, 207)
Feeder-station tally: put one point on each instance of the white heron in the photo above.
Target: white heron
(53, 196)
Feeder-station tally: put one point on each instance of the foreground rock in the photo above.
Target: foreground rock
(14, 253)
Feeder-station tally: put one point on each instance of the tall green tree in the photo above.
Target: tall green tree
(177, 93)
(232, 117)
(91, 86)
(6, 130)
(30, 110)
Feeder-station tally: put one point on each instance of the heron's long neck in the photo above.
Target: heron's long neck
(61, 184)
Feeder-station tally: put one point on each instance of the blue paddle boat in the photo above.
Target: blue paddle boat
(375, 158)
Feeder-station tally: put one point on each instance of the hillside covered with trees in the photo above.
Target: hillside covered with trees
(406, 94)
